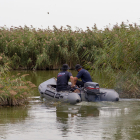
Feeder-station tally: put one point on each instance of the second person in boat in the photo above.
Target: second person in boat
(83, 74)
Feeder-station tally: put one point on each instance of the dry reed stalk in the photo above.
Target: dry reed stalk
(1, 91)
(32, 86)
(22, 87)
(24, 75)
(12, 92)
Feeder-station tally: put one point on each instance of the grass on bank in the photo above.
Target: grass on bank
(14, 90)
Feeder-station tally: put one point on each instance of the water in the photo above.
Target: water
(46, 120)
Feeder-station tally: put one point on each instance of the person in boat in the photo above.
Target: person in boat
(83, 74)
(63, 79)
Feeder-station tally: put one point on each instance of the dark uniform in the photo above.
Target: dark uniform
(62, 81)
(84, 75)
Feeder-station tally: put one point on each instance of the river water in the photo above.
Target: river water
(47, 120)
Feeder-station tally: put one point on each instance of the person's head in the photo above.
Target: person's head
(65, 67)
(78, 67)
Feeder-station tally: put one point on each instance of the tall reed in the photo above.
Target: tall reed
(49, 49)
(14, 89)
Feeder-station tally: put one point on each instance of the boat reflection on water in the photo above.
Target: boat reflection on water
(88, 119)
(89, 111)
(68, 116)
(65, 112)
(82, 118)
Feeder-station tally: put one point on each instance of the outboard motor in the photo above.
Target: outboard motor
(92, 91)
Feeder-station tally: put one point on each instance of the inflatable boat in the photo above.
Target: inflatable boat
(91, 92)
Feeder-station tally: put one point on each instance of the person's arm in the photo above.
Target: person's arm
(74, 80)
(79, 75)
(71, 78)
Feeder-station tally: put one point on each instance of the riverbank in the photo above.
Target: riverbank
(14, 89)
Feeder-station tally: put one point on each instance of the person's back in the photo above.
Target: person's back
(83, 74)
(63, 78)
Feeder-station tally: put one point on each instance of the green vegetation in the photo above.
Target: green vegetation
(115, 51)
(14, 89)
(30, 48)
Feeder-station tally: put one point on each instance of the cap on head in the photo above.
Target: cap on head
(65, 67)
(78, 66)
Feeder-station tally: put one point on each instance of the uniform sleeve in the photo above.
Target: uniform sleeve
(70, 74)
(79, 75)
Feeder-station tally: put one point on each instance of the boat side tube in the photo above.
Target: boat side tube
(109, 95)
(74, 98)
(43, 86)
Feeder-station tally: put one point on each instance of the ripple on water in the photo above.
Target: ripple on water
(99, 120)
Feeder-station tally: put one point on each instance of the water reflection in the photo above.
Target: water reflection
(110, 111)
(90, 121)
(88, 111)
(106, 120)
(68, 115)
(65, 112)
(86, 118)
(11, 115)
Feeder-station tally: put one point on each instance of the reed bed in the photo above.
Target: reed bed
(29, 48)
(14, 89)
(115, 50)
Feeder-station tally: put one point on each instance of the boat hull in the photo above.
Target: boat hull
(47, 90)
